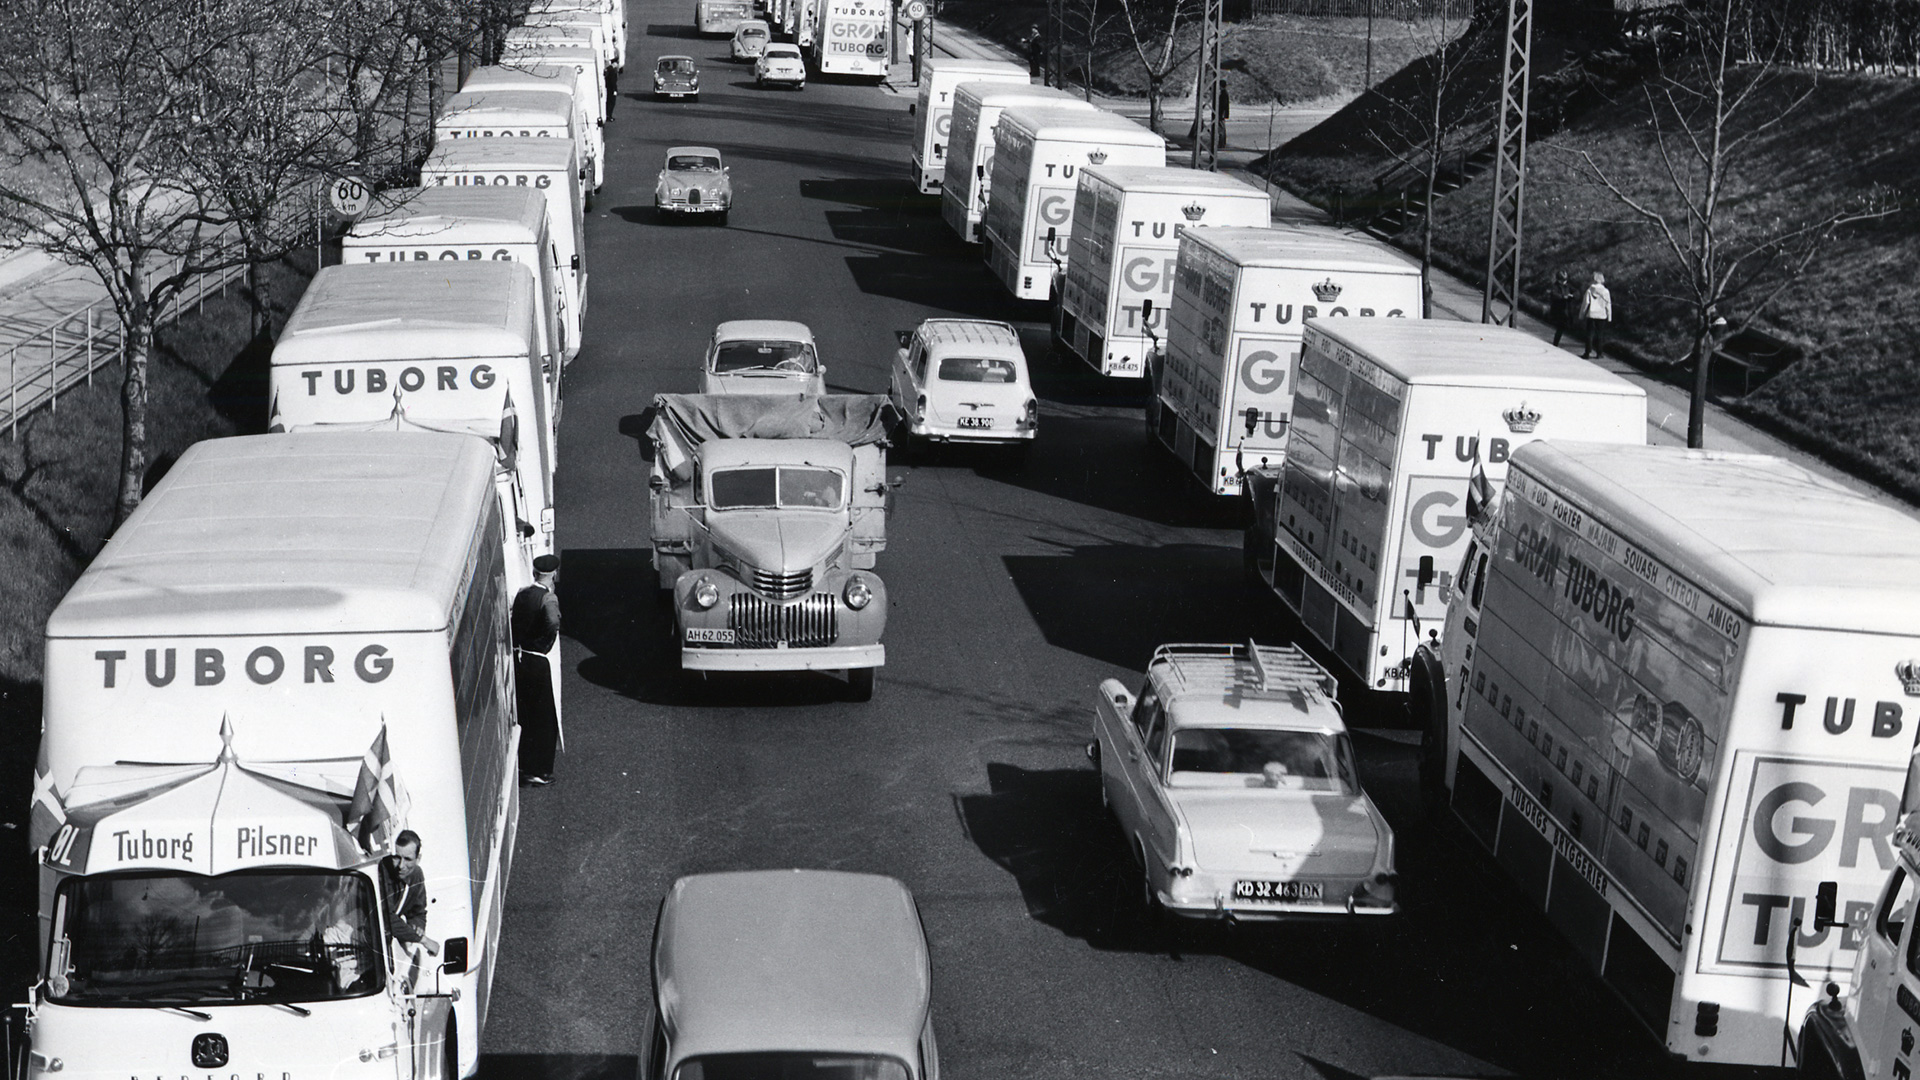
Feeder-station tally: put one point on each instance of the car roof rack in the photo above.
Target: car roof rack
(1255, 667)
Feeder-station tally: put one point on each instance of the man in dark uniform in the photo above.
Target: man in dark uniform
(403, 889)
(536, 626)
(613, 89)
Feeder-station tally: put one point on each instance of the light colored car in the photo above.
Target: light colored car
(694, 181)
(750, 40)
(799, 974)
(1233, 781)
(676, 77)
(762, 356)
(964, 380)
(781, 65)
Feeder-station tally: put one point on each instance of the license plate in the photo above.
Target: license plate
(707, 636)
(1278, 892)
(976, 421)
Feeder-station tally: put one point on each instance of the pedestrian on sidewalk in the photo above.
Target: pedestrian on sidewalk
(1597, 309)
(1034, 48)
(1221, 108)
(1563, 302)
(534, 621)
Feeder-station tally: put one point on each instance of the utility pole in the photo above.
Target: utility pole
(1500, 300)
(1206, 81)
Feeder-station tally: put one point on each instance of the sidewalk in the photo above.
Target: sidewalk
(1247, 141)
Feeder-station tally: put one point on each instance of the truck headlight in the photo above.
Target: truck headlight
(858, 594)
(705, 593)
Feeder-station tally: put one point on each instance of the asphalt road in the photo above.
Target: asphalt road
(1015, 593)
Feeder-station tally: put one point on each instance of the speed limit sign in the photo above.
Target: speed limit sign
(914, 10)
(349, 196)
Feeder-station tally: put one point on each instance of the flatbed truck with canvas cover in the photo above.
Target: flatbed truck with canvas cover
(1361, 526)
(1127, 224)
(968, 181)
(1038, 152)
(933, 111)
(1671, 699)
(1220, 386)
(239, 720)
(767, 515)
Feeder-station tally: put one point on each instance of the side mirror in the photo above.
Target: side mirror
(1146, 309)
(1825, 900)
(1426, 571)
(1253, 421)
(980, 171)
(904, 337)
(454, 956)
(576, 263)
(913, 108)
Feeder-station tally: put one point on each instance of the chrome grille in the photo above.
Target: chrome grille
(783, 586)
(693, 196)
(811, 623)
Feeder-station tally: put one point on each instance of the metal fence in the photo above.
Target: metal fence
(1379, 9)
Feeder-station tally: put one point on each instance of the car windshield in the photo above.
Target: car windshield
(252, 936)
(971, 369)
(791, 1065)
(676, 67)
(785, 487)
(764, 356)
(1259, 757)
(693, 163)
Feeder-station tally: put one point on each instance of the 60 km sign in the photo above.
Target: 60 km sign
(349, 196)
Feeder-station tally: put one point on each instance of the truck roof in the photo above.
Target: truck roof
(693, 419)
(949, 335)
(419, 213)
(1171, 181)
(546, 106)
(1246, 685)
(1078, 125)
(529, 76)
(792, 960)
(285, 534)
(957, 66)
(1435, 352)
(1292, 247)
(509, 152)
(411, 311)
(1768, 538)
(1001, 94)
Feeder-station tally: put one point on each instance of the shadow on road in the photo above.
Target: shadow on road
(558, 1067)
(675, 30)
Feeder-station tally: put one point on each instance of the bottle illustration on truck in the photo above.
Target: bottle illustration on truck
(767, 514)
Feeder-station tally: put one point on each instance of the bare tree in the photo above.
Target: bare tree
(1709, 104)
(1092, 22)
(1152, 27)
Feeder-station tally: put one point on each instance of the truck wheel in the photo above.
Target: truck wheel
(860, 683)
(450, 1053)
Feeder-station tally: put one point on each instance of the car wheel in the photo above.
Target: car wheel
(860, 683)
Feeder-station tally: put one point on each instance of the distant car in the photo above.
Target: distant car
(762, 356)
(1233, 781)
(964, 380)
(676, 77)
(750, 40)
(781, 65)
(694, 182)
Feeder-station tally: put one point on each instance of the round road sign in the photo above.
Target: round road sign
(914, 10)
(349, 196)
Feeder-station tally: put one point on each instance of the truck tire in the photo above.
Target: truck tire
(450, 1052)
(860, 683)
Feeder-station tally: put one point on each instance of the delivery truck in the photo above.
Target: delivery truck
(1670, 699)
(853, 37)
(967, 179)
(1118, 281)
(613, 14)
(549, 167)
(578, 57)
(472, 224)
(440, 347)
(1359, 529)
(239, 722)
(1038, 153)
(767, 514)
(584, 91)
(523, 114)
(1221, 384)
(933, 110)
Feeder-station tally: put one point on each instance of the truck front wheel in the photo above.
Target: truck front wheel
(860, 683)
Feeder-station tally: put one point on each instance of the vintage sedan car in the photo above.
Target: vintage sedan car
(1232, 778)
(964, 381)
(750, 40)
(694, 181)
(676, 77)
(781, 65)
(762, 356)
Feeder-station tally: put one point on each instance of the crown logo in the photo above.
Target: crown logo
(1326, 292)
(1522, 420)
(1908, 671)
(1096, 157)
(1194, 211)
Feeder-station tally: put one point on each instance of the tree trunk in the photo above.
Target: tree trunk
(1155, 114)
(133, 407)
(1426, 238)
(1702, 372)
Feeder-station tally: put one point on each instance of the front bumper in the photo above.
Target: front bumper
(675, 92)
(747, 631)
(682, 207)
(831, 658)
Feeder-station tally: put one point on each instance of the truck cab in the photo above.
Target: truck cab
(1869, 1033)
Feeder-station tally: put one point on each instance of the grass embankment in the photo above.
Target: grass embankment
(1855, 311)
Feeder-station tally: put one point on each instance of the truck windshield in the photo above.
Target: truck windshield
(791, 1065)
(1256, 757)
(784, 487)
(763, 356)
(249, 937)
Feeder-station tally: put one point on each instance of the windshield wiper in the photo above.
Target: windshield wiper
(184, 1011)
(290, 1007)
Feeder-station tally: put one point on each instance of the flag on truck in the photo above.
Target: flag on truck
(1479, 491)
(378, 810)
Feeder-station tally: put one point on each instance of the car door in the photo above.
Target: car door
(1131, 757)
(905, 391)
(1157, 824)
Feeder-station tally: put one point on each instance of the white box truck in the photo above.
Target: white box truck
(1674, 695)
(439, 347)
(933, 110)
(1220, 385)
(470, 224)
(1364, 522)
(517, 114)
(968, 178)
(1118, 281)
(1038, 153)
(613, 14)
(549, 167)
(589, 103)
(296, 647)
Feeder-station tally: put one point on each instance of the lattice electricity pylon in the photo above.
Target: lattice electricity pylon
(1206, 83)
(1500, 301)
